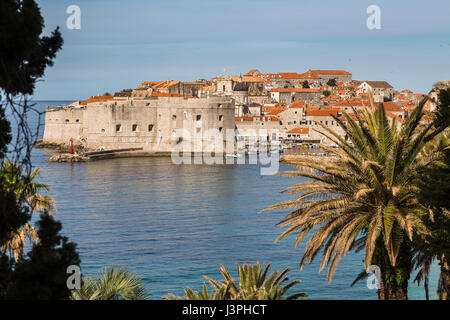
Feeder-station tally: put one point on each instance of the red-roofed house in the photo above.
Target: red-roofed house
(324, 116)
(379, 89)
(396, 109)
(298, 133)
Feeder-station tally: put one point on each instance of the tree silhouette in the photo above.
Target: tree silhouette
(43, 275)
(24, 57)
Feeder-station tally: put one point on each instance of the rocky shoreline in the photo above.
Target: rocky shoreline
(67, 157)
(61, 147)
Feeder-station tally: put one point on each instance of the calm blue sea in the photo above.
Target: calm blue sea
(171, 224)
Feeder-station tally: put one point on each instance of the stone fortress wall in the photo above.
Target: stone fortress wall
(154, 124)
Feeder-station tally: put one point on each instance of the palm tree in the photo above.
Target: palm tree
(190, 294)
(363, 198)
(254, 284)
(115, 283)
(26, 189)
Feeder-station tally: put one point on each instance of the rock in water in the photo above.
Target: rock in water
(67, 157)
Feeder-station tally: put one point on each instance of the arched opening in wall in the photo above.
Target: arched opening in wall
(134, 127)
(67, 120)
(118, 128)
(220, 117)
(103, 130)
(78, 120)
(220, 106)
(199, 117)
(174, 117)
(150, 127)
(220, 129)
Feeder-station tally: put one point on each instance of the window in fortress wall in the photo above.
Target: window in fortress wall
(118, 128)
(150, 127)
(134, 127)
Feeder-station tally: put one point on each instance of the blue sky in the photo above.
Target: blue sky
(122, 43)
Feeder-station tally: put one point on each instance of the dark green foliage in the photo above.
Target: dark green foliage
(24, 54)
(332, 83)
(395, 278)
(443, 109)
(434, 189)
(115, 283)
(434, 184)
(6, 273)
(5, 132)
(12, 215)
(326, 93)
(43, 274)
(306, 84)
(255, 283)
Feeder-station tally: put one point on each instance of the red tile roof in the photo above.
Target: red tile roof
(298, 104)
(272, 110)
(322, 113)
(393, 107)
(334, 72)
(164, 94)
(251, 72)
(299, 130)
(288, 75)
(302, 90)
(309, 75)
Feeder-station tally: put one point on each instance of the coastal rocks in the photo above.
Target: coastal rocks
(60, 147)
(67, 157)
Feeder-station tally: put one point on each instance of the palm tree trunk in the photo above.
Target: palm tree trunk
(394, 279)
(445, 277)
